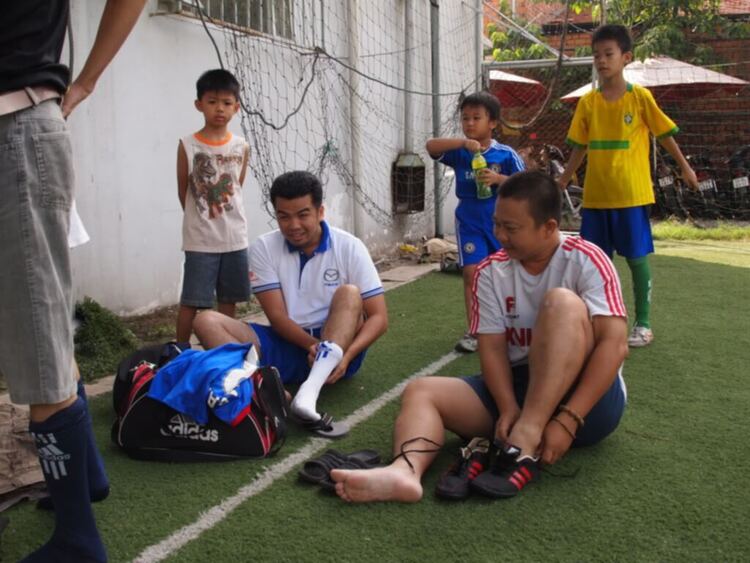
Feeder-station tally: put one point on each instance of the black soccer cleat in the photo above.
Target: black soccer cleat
(509, 474)
(454, 484)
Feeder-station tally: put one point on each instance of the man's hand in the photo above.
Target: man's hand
(339, 371)
(491, 177)
(74, 96)
(555, 442)
(508, 418)
(472, 146)
(690, 178)
(117, 20)
(312, 352)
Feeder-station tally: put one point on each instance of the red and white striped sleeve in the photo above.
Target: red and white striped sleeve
(599, 285)
(487, 315)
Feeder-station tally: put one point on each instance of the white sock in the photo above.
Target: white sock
(329, 356)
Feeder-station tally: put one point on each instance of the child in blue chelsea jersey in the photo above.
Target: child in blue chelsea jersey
(480, 113)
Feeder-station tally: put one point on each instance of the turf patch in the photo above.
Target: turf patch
(670, 484)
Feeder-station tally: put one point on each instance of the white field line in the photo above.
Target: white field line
(217, 513)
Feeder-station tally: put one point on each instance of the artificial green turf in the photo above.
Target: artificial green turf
(670, 484)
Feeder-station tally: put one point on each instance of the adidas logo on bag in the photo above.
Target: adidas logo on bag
(180, 426)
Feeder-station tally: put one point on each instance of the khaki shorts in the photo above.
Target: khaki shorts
(36, 192)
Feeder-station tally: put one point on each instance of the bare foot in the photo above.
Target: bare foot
(381, 484)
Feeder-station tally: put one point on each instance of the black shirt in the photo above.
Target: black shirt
(32, 33)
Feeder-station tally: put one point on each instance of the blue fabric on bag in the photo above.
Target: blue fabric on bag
(186, 383)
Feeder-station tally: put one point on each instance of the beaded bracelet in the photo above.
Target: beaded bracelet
(560, 422)
(577, 417)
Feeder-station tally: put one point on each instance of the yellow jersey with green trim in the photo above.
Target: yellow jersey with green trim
(616, 135)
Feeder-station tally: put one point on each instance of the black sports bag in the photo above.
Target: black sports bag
(148, 429)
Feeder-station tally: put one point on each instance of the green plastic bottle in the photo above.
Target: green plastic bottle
(484, 190)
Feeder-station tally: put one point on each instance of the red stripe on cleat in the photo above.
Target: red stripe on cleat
(518, 483)
(526, 472)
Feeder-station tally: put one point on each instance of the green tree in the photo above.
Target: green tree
(668, 27)
(660, 27)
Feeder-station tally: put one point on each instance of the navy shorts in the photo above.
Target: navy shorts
(290, 359)
(475, 231)
(215, 276)
(599, 423)
(626, 230)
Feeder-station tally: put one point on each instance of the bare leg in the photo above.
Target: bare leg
(428, 406)
(185, 318)
(563, 340)
(344, 316)
(214, 329)
(227, 309)
(468, 274)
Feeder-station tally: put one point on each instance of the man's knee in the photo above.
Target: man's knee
(207, 321)
(348, 291)
(562, 302)
(347, 296)
(418, 390)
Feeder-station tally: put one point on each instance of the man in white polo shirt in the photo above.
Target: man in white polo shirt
(552, 332)
(321, 293)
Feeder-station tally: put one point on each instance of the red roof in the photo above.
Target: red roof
(734, 7)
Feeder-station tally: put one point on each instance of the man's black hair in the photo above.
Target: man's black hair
(297, 183)
(483, 99)
(613, 32)
(217, 80)
(539, 189)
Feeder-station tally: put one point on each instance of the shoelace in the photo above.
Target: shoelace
(404, 451)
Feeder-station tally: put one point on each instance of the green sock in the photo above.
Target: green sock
(641, 272)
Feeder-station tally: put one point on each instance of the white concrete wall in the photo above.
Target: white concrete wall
(125, 139)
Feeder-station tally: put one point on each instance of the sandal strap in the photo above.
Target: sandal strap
(329, 460)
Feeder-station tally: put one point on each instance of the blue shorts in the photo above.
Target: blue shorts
(626, 230)
(599, 423)
(475, 231)
(209, 276)
(290, 359)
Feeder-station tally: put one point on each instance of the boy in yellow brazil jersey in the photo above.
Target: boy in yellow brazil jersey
(613, 123)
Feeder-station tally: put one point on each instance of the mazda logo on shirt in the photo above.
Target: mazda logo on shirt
(331, 276)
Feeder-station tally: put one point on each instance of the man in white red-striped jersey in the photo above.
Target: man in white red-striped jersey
(552, 331)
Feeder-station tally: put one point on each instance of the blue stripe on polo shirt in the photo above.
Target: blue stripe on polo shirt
(323, 245)
(267, 287)
(373, 292)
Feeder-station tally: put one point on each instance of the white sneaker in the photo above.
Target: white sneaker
(640, 336)
(467, 344)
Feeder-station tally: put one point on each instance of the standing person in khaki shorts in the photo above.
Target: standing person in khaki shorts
(36, 193)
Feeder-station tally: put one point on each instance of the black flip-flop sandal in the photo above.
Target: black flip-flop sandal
(329, 485)
(325, 426)
(317, 469)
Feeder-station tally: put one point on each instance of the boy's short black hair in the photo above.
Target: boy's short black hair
(217, 80)
(614, 32)
(482, 99)
(297, 183)
(539, 189)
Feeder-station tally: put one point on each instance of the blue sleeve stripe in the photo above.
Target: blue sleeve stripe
(373, 292)
(266, 287)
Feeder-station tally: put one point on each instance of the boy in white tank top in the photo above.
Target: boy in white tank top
(211, 166)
